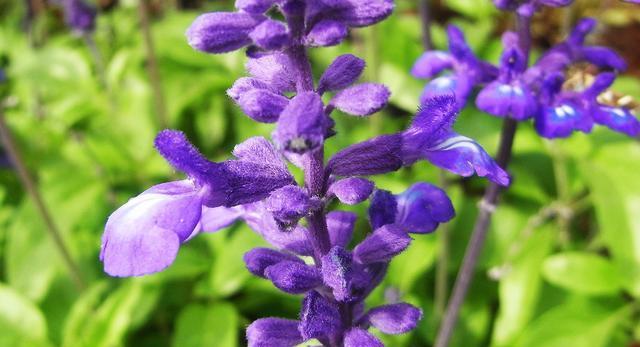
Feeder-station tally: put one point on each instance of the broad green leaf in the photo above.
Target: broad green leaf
(406, 268)
(576, 323)
(228, 273)
(214, 324)
(31, 258)
(21, 322)
(405, 90)
(95, 323)
(520, 288)
(612, 178)
(583, 272)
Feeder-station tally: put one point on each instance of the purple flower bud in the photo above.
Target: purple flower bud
(220, 32)
(361, 13)
(379, 155)
(270, 35)
(422, 207)
(431, 63)
(182, 155)
(362, 99)
(288, 204)
(395, 319)
(347, 279)
(319, 317)
(293, 277)
(273, 332)
(357, 337)
(352, 190)
(302, 124)
(342, 72)
(262, 105)
(276, 70)
(259, 259)
(340, 225)
(383, 209)
(243, 85)
(383, 244)
(326, 33)
(255, 6)
(261, 221)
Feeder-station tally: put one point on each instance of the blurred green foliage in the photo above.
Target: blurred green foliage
(561, 266)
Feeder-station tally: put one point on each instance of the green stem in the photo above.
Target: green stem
(30, 186)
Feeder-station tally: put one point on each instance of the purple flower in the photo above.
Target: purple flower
(573, 50)
(143, 236)
(79, 15)
(273, 332)
(468, 71)
(429, 137)
(509, 95)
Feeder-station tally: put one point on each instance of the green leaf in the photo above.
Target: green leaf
(472, 8)
(95, 323)
(613, 181)
(31, 258)
(583, 272)
(406, 268)
(21, 322)
(576, 323)
(519, 290)
(229, 273)
(214, 324)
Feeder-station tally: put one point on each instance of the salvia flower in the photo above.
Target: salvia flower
(311, 249)
(467, 70)
(527, 8)
(547, 91)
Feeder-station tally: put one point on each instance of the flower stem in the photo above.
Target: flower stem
(152, 65)
(478, 236)
(27, 181)
(425, 18)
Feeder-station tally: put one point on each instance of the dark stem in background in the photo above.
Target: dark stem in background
(27, 181)
(425, 16)
(478, 236)
(152, 65)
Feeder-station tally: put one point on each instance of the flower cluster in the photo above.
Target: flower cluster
(559, 100)
(311, 253)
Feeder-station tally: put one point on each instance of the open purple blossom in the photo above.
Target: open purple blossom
(541, 91)
(467, 70)
(430, 137)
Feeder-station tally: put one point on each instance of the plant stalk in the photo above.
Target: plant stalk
(425, 18)
(29, 185)
(152, 65)
(478, 237)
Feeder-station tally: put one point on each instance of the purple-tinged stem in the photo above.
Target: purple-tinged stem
(152, 65)
(478, 236)
(425, 17)
(487, 207)
(27, 181)
(314, 173)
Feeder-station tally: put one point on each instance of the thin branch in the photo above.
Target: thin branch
(29, 185)
(478, 237)
(152, 65)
